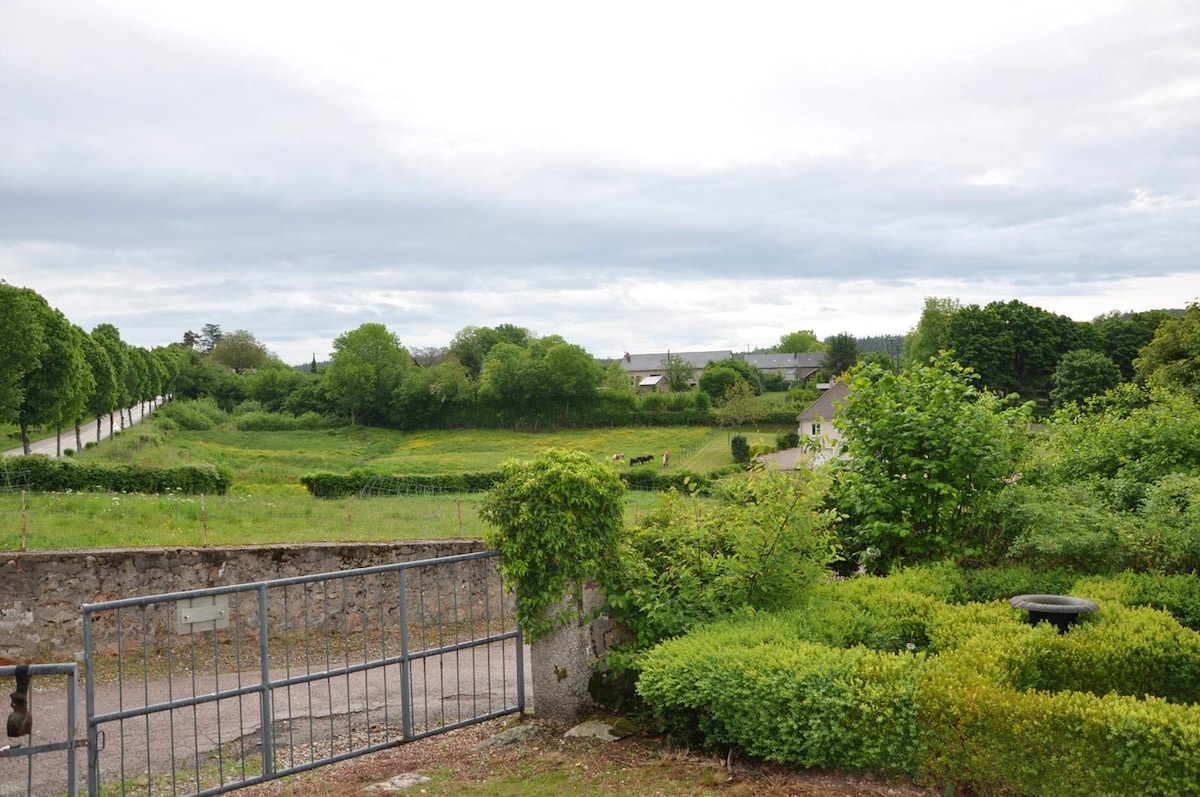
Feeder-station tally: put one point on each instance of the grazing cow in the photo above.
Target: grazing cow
(666, 458)
(617, 458)
(640, 460)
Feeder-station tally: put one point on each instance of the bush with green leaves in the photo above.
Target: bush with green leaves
(556, 522)
(1133, 441)
(788, 439)
(193, 415)
(759, 544)
(740, 448)
(926, 449)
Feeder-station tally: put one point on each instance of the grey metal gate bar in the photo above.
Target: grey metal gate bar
(206, 691)
(21, 751)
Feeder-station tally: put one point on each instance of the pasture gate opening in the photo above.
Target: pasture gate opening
(207, 691)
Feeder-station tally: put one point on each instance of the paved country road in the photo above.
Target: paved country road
(50, 446)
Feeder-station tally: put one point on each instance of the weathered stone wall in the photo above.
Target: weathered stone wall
(41, 592)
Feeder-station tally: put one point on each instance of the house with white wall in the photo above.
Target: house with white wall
(818, 435)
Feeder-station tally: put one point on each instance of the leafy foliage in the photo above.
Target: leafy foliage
(976, 699)
(556, 521)
(926, 448)
(1172, 358)
(1081, 374)
(763, 542)
(740, 449)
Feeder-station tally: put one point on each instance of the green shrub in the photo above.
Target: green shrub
(54, 475)
(341, 485)
(740, 449)
(754, 686)
(981, 699)
(197, 415)
(788, 439)
(760, 544)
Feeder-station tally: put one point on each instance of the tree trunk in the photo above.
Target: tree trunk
(99, 424)
(25, 437)
(78, 437)
(58, 439)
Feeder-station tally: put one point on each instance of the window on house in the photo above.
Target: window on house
(816, 430)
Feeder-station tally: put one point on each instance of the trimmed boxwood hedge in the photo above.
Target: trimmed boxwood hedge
(340, 485)
(888, 675)
(47, 474)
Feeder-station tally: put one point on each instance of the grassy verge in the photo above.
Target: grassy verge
(283, 514)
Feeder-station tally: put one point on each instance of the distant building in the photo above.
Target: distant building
(818, 435)
(795, 368)
(639, 367)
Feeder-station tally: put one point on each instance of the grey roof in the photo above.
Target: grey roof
(823, 407)
(789, 360)
(654, 362)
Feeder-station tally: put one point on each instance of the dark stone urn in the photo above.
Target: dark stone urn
(1060, 610)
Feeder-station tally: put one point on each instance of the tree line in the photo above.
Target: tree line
(56, 375)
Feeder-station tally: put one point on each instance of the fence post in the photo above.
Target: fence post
(264, 654)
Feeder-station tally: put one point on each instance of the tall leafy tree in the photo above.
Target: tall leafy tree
(1124, 335)
(428, 395)
(367, 366)
(1081, 374)
(930, 336)
(678, 372)
(841, 353)
(103, 398)
(56, 391)
(210, 336)
(509, 381)
(572, 377)
(109, 337)
(22, 346)
(1172, 358)
(1015, 347)
(801, 341)
(240, 352)
(738, 406)
(471, 345)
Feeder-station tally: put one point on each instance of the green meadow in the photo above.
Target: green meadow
(267, 504)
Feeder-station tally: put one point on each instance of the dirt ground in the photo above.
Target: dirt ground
(549, 764)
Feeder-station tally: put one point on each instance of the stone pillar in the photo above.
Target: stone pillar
(563, 661)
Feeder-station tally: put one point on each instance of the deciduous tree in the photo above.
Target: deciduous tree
(1081, 374)
(22, 346)
(367, 366)
(1172, 358)
(240, 352)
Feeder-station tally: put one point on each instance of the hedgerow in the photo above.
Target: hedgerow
(45, 474)
(890, 676)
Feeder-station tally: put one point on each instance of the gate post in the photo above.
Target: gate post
(562, 662)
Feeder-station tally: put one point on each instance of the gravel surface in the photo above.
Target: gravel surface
(461, 762)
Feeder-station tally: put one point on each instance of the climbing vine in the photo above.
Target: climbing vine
(556, 521)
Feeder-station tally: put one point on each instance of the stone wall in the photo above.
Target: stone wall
(41, 592)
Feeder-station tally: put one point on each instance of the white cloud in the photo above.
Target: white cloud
(629, 176)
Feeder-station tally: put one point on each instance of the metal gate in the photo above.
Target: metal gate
(206, 691)
(17, 755)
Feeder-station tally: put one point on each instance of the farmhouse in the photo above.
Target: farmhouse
(646, 371)
(794, 367)
(817, 432)
(642, 367)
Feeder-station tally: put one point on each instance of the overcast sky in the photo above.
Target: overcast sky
(633, 176)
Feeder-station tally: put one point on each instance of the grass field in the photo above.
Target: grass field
(268, 505)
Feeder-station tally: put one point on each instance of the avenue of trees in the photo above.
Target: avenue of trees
(55, 375)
